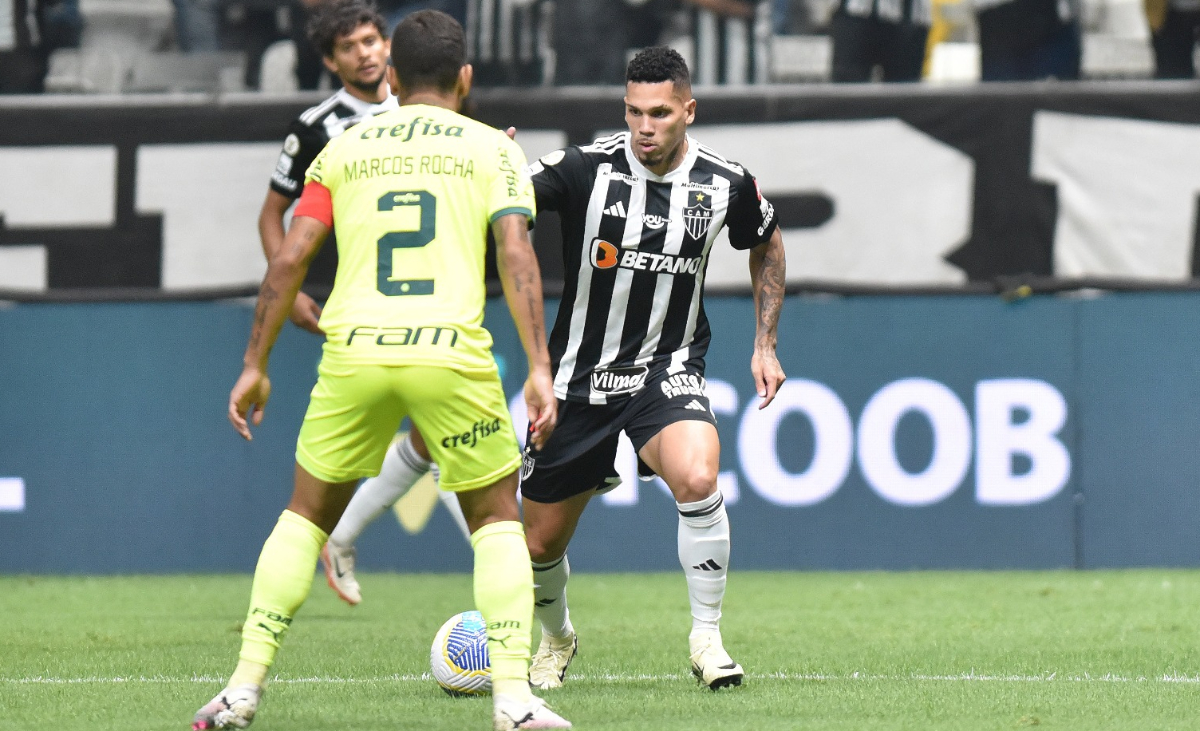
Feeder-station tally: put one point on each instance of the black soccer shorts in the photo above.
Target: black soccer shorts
(580, 453)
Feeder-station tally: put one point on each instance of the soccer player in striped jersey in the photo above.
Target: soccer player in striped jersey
(413, 192)
(640, 211)
(351, 36)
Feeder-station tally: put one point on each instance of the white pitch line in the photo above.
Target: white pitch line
(631, 678)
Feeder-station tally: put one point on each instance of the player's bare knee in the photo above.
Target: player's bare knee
(546, 539)
(694, 485)
(543, 551)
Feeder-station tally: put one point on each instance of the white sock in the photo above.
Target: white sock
(550, 597)
(401, 469)
(704, 555)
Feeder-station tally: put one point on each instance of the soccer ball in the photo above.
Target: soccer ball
(459, 657)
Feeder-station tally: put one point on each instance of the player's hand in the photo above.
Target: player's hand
(305, 313)
(248, 399)
(511, 132)
(541, 406)
(768, 375)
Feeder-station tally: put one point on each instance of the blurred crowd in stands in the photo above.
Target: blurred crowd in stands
(113, 46)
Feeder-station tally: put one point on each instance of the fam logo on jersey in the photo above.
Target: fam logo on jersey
(612, 381)
(698, 215)
(401, 336)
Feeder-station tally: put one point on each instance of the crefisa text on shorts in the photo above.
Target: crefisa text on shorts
(481, 429)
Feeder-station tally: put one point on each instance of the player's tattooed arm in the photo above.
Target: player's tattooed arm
(768, 274)
(305, 312)
(522, 282)
(285, 273)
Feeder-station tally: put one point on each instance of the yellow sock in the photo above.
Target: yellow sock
(504, 595)
(247, 671)
(282, 581)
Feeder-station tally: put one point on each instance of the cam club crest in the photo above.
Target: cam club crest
(697, 216)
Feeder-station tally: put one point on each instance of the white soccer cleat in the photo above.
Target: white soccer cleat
(550, 663)
(508, 714)
(232, 708)
(339, 571)
(711, 665)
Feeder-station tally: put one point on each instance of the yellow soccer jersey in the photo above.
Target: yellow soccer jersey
(414, 191)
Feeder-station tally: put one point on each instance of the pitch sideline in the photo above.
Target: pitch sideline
(631, 678)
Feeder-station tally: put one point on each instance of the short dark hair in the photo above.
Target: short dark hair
(339, 18)
(657, 64)
(428, 50)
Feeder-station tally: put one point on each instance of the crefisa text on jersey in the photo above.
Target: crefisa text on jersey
(426, 127)
(510, 173)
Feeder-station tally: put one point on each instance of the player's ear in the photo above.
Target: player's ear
(330, 64)
(689, 110)
(465, 75)
(393, 80)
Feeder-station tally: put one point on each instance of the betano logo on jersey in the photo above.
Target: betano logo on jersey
(605, 255)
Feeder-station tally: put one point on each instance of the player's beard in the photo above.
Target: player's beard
(660, 154)
(368, 87)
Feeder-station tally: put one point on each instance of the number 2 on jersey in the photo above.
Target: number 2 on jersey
(426, 205)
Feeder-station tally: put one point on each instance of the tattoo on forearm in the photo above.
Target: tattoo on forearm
(266, 296)
(772, 275)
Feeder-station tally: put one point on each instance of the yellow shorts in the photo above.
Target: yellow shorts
(355, 410)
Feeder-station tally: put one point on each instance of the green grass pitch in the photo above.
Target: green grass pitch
(854, 651)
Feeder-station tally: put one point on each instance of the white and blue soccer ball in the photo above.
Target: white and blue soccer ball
(459, 657)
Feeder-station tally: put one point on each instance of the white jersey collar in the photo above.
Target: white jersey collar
(364, 108)
(681, 171)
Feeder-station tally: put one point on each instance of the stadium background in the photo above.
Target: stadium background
(988, 339)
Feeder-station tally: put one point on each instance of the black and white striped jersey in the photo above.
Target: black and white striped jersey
(316, 126)
(307, 136)
(635, 248)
